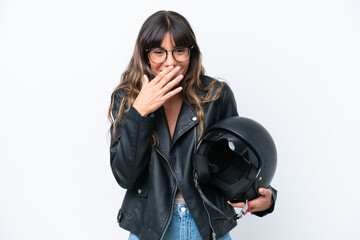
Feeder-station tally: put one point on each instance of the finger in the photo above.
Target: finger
(255, 203)
(145, 81)
(237, 205)
(172, 84)
(171, 94)
(168, 77)
(265, 192)
(162, 74)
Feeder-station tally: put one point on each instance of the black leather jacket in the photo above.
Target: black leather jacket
(152, 175)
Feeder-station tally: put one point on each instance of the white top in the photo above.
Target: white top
(178, 197)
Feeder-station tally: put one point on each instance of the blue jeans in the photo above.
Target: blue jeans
(182, 226)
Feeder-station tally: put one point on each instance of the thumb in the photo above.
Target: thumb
(264, 191)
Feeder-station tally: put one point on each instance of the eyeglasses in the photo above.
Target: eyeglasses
(159, 55)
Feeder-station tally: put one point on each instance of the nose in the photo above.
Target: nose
(169, 61)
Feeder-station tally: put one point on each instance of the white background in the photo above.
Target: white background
(293, 66)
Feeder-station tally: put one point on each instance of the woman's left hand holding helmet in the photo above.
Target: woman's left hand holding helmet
(262, 203)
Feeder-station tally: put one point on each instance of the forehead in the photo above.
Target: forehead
(168, 41)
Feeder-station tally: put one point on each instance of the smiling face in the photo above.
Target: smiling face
(168, 44)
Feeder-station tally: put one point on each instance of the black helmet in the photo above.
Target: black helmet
(238, 155)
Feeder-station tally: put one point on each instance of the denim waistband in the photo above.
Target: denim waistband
(181, 210)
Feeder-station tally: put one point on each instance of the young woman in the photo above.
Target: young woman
(159, 111)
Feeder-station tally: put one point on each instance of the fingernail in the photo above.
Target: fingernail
(261, 190)
(171, 67)
(178, 68)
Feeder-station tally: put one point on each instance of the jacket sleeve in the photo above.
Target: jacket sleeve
(228, 106)
(228, 103)
(129, 156)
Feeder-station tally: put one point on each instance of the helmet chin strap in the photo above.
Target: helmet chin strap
(237, 216)
(243, 211)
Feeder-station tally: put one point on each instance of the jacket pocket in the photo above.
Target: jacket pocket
(141, 202)
(142, 191)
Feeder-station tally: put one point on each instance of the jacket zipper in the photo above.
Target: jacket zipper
(171, 213)
(213, 234)
(172, 199)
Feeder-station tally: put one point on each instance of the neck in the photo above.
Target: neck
(174, 100)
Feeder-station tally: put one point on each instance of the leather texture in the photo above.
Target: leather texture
(152, 174)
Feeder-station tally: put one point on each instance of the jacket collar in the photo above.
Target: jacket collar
(186, 120)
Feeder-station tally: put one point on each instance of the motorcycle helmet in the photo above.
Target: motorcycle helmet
(237, 155)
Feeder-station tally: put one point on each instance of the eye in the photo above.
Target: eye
(158, 51)
(180, 50)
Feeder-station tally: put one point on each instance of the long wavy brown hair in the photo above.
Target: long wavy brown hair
(150, 36)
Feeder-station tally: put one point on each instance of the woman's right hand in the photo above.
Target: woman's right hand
(156, 92)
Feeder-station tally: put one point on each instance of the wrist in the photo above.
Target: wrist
(140, 110)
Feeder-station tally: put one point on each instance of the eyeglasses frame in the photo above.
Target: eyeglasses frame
(172, 53)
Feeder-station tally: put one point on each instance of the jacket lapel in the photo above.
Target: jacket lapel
(186, 120)
(162, 130)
